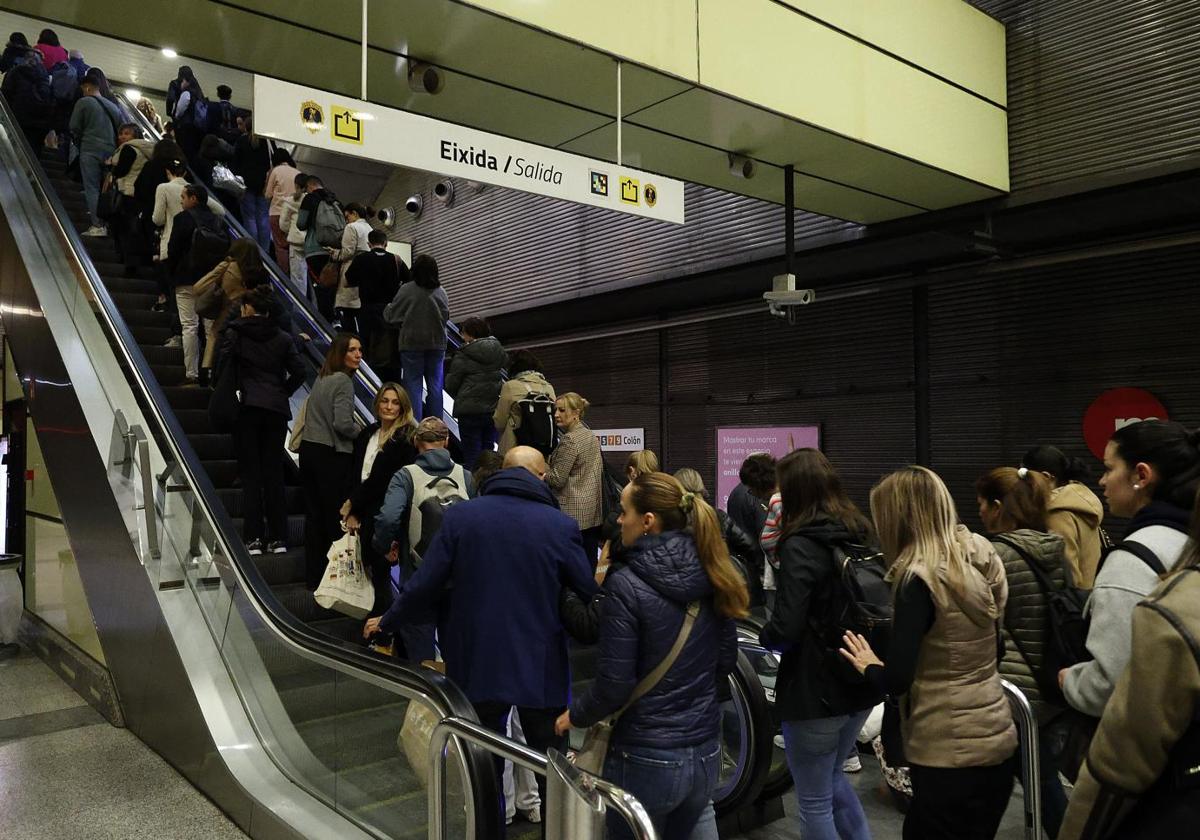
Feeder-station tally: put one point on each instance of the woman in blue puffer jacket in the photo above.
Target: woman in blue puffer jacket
(666, 747)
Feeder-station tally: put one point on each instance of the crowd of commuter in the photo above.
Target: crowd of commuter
(543, 544)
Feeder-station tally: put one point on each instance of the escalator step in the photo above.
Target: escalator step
(168, 375)
(234, 500)
(194, 421)
(115, 282)
(221, 473)
(282, 569)
(127, 301)
(151, 335)
(299, 602)
(160, 355)
(343, 627)
(182, 397)
(330, 696)
(295, 529)
(146, 318)
(213, 447)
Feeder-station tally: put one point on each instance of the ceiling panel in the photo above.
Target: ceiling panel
(729, 124)
(656, 152)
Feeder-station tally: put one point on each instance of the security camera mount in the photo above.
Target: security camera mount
(785, 299)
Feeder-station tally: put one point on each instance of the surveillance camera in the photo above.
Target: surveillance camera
(414, 204)
(443, 191)
(425, 78)
(387, 216)
(742, 167)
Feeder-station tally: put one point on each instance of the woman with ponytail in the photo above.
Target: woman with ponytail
(665, 747)
(950, 592)
(1073, 511)
(1151, 473)
(1012, 506)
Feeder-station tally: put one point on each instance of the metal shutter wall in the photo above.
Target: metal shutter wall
(1099, 86)
(1016, 360)
(500, 250)
(846, 365)
(618, 376)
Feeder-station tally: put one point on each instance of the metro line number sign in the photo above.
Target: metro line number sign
(295, 113)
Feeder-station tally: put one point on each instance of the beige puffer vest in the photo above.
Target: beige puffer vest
(956, 713)
(144, 149)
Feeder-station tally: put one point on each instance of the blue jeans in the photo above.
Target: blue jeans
(423, 366)
(91, 170)
(255, 219)
(478, 434)
(674, 785)
(816, 749)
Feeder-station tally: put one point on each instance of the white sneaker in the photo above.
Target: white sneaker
(853, 764)
(174, 341)
(95, 230)
(533, 815)
(779, 742)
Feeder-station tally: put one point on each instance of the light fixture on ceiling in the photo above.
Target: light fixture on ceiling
(133, 95)
(425, 78)
(443, 191)
(414, 204)
(169, 53)
(741, 166)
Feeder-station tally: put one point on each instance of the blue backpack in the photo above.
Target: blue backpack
(64, 82)
(199, 108)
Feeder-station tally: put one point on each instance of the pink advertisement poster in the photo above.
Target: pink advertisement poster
(734, 445)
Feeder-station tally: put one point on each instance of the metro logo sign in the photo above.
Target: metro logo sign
(1116, 409)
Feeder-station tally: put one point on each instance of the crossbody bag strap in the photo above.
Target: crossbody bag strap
(1043, 579)
(652, 679)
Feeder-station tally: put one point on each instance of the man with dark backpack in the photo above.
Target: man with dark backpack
(411, 515)
(222, 116)
(198, 242)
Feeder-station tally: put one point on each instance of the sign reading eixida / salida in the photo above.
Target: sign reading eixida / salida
(313, 117)
(451, 151)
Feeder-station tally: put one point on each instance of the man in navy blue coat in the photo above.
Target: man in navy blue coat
(495, 569)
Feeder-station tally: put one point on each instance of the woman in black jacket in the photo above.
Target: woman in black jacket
(666, 746)
(269, 372)
(822, 703)
(252, 160)
(379, 451)
(474, 384)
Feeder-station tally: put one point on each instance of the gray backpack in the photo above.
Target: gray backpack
(432, 494)
(330, 223)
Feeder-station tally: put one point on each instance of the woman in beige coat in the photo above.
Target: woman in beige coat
(524, 377)
(1074, 512)
(238, 272)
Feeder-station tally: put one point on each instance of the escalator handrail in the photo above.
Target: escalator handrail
(341, 655)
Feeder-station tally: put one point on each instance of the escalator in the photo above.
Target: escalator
(295, 728)
(222, 662)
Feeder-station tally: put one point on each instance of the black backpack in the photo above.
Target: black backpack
(1065, 633)
(537, 427)
(210, 245)
(222, 121)
(860, 601)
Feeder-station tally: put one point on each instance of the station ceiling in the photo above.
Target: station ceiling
(511, 77)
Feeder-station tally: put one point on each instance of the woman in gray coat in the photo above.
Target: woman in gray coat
(326, 452)
(420, 310)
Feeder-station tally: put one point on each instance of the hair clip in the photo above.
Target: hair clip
(1022, 473)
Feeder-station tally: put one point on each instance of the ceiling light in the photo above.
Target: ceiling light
(169, 53)
(133, 95)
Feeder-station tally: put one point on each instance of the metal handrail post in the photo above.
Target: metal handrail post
(625, 804)
(147, 506)
(1031, 775)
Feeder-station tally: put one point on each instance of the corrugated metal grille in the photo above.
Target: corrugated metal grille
(1017, 360)
(1097, 86)
(501, 250)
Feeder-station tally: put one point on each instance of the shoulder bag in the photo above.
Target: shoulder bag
(591, 755)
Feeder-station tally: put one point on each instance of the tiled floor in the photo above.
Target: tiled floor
(66, 774)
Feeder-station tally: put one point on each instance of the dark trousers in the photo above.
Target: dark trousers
(592, 537)
(538, 725)
(478, 434)
(381, 341)
(325, 297)
(259, 440)
(378, 566)
(324, 475)
(959, 803)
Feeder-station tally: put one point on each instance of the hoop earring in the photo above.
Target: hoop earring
(1137, 487)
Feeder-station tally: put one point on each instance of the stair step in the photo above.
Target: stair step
(283, 569)
(234, 499)
(213, 447)
(168, 375)
(300, 603)
(221, 473)
(157, 354)
(182, 397)
(146, 318)
(295, 529)
(143, 334)
(133, 300)
(116, 282)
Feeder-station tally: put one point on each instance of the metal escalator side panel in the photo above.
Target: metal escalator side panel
(743, 778)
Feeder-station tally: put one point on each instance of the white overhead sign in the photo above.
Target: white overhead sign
(318, 118)
(621, 440)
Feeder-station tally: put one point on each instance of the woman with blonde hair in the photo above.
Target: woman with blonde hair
(380, 450)
(679, 584)
(950, 593)
(642, 461)
(740, 544)
(574, 471)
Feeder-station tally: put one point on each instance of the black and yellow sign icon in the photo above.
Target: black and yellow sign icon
(650, 193)
(629, 190)
(312, 116)
(346, 125)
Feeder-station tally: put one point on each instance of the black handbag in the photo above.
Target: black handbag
(226, 401)
(108, 205)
